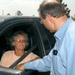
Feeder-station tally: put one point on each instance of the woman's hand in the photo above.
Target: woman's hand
(20, 66)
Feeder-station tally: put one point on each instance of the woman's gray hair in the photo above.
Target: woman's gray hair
(16, 34)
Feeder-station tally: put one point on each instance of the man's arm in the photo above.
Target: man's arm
(42, 65)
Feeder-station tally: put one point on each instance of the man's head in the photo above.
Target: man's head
(49, 12)
(53, 9)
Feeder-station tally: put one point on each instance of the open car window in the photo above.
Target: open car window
(37, 34)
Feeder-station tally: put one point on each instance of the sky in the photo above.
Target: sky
(27, 7)
(71, 6)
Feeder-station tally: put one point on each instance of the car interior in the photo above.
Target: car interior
(5, 38)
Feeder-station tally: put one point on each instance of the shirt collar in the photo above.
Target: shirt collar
(60, 33)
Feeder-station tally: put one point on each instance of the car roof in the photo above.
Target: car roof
(3, 18)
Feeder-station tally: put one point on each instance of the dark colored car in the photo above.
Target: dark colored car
(40, 40)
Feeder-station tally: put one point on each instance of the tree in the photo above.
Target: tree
(59, 0)
(8, 13)
(66, 8)
(18, 13)
(73, 17)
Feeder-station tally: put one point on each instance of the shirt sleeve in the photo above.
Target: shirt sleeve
(71, 56)
(42, 65)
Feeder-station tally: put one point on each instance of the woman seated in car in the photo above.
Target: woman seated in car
(19, 42)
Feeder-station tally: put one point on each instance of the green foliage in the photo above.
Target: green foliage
(59, 0)
(18, 13)
(73, 17)
(66, 8)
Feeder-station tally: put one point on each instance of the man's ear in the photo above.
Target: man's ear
(49, 18)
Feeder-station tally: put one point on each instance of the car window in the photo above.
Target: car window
(36, 33)
(10, 31)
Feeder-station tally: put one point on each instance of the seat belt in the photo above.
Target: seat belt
(23, 56)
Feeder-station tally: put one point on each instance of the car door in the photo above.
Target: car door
(36, 32)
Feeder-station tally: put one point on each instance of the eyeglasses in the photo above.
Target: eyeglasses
(21, 41)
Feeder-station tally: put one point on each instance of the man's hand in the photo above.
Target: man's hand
(20, 66)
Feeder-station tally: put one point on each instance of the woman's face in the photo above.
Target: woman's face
(20, 42)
